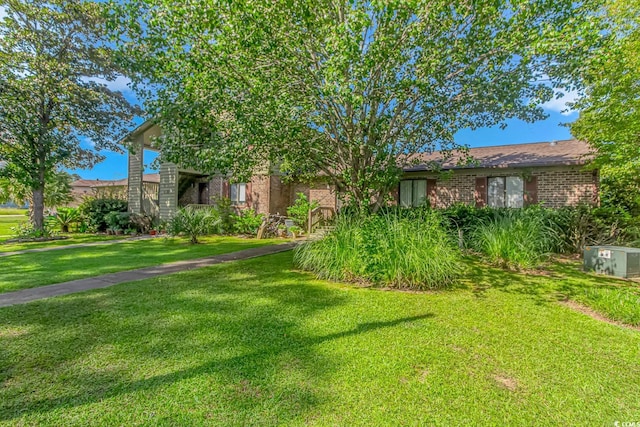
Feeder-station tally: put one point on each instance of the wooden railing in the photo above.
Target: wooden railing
(319, 216)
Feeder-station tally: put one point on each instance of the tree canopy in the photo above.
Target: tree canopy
(348, 90)
(610, 110)
(57, 191)
(55, 108)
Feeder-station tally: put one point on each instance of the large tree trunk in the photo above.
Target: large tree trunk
(38, 208)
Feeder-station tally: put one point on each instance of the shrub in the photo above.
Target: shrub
(118, 221)
(226, 213)
(95, 210)
(515, 239)
(402, 250)
(299, 212)
(247, 221)
(194, 223)
(26, 231)
(66, 217)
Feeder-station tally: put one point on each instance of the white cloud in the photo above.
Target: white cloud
(559, 105)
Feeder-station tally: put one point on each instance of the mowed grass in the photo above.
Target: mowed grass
(258, 343)
(8, 222)
(12, 211)
(71, 239)
(43, 268)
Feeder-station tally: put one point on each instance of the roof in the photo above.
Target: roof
(148, 177)
(554, 153)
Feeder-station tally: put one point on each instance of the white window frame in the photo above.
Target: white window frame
(238, 193)
(511, 192)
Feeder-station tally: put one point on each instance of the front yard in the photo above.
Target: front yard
(44, 268)
(259, 343)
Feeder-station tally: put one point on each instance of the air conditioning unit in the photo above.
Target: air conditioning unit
(616, 261)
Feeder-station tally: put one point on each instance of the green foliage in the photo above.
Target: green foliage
(247, 221)
(226, 212)
(610, 112)
(56, 59)
(350, 90)
(619, 188)
(194, 223)
(515, 240)
(118, 221)
(65, 217)
(411, 250)
(57, 190)
(26, 231)
(94, 211)
(569, 228)
(299, 212)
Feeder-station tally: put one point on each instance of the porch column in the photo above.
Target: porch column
(136, 169)
(168, 197)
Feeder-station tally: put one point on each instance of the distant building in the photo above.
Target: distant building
(105, 188)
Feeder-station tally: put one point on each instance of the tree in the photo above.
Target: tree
(54, 110)
(57, 191)
(610, 110)
(349, 90)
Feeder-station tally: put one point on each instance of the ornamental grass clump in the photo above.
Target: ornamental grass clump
(402, 250)
(194, 223)
(515, 240)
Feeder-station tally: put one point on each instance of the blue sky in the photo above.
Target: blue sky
(115, 165)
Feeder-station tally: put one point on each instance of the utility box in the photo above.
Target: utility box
(616, 261)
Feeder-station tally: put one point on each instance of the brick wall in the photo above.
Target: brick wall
(557, 186)
(279, 196)
(318, 191)
(259, 194)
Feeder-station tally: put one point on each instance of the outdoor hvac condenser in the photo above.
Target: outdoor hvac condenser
(612, 260)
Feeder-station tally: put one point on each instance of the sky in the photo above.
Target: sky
(516, 132)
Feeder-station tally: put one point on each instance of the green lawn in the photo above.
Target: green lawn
(7, 222)
(258, 343)
(45, 268)
(12, 211)
(73, 239)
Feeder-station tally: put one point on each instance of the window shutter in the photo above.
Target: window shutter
(431, 192)
(531, 191)
(248, 198)
(480, 195)
(226, 192)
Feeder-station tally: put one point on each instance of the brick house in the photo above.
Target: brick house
(513, 176)
(266, 192)
(550, 173)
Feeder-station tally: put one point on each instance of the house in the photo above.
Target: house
(552, 173)
(117, 188)
(179, 186)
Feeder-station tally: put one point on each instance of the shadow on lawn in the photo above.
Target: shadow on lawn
(241, 334)
(559, 281)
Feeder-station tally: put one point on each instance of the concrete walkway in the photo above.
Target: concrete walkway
(26, 295)
(74, 246)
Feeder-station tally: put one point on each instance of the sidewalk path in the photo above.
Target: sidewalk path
(26, 295)
(74, 246)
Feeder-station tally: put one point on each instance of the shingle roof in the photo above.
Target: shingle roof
(555, 153)
(148, 177)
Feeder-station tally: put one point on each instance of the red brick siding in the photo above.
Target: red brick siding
(557, 186)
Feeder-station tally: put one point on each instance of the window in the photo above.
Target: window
(238, 193)
(413, 192)
(505, 192)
